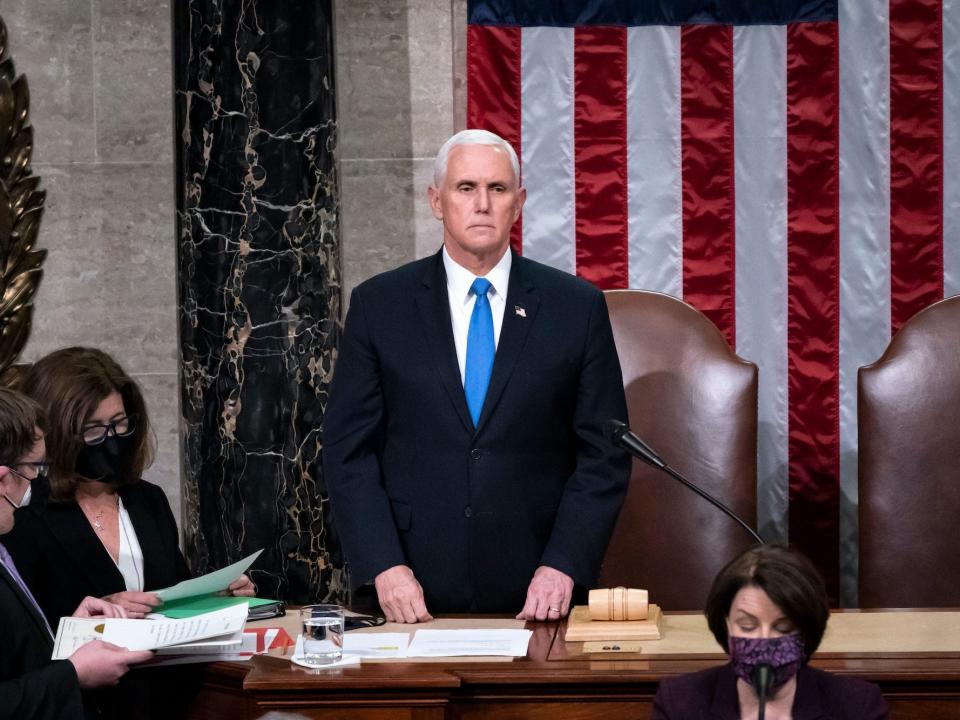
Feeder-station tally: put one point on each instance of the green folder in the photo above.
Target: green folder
(199, 604)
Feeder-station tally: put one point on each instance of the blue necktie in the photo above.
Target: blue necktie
(480, 350)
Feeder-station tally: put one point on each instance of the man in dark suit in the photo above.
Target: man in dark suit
(31, 686)
(463, 441)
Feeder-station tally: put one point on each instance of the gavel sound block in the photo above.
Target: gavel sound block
(614, 614)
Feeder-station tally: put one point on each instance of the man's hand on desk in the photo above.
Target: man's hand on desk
(401, 596)
(548, 596)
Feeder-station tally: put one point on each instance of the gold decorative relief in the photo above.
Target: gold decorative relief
(21, 207)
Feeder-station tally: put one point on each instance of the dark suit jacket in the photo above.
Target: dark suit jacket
(712, 695)
(31, 686)
(475, 510)
(62, 560)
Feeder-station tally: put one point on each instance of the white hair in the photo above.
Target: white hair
(472, 137)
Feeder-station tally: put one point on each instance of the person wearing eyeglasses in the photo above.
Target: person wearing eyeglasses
(102, 531)
(31, 685)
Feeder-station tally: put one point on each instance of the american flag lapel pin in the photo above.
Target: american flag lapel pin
(519, 311)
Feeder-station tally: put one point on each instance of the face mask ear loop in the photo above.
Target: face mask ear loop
(14, 505)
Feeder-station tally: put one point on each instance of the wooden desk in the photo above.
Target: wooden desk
(555, 682)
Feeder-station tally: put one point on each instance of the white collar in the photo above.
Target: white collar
(459, 279)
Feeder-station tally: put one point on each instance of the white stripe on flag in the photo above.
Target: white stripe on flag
(653, 159)
(760, 151)
(864, 237)
(546, 93)
(951, 147)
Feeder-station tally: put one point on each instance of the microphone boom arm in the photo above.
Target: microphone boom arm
(621, 436)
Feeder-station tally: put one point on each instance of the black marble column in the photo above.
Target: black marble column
(259, 285)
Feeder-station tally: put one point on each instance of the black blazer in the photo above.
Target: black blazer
(31, 686)
(475, 510)
(712, 695)
(62, 560)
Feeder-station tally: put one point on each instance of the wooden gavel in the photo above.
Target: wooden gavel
(618, 603)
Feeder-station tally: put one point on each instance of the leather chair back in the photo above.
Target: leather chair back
(909, 465)
(695, 403)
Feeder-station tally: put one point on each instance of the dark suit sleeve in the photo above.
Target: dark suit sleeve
(595, 491)
(50, 693)
(353, 429)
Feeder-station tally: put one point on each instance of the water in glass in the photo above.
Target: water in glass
(322, 635)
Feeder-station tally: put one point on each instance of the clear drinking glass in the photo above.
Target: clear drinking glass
(322, 627)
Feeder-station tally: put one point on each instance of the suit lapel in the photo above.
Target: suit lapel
(81, 545)
(522, 305)
(433, 303)
(28, 606)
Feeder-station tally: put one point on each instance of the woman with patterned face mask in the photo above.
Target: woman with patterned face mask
(102, 530)
(768, 609)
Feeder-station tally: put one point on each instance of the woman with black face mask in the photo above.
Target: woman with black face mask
(768, 609)
(101, 530)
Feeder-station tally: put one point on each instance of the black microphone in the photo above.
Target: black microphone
(621, 436)
(762, 677)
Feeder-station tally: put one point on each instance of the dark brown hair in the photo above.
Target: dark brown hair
(69, 384)
(20, 418)
(787, 577)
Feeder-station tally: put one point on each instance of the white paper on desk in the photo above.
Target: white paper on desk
(459, 643)
(376, 645)
(146, 634)
(210, 583)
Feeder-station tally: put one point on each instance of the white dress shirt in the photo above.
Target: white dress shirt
(459, 280)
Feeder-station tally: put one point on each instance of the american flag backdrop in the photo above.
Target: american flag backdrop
(790, 168)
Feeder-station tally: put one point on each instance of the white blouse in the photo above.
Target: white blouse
(130, 562)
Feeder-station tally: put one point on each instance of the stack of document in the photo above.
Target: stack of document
(210, 633)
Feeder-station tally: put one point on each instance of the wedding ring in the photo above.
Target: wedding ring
(554, 609)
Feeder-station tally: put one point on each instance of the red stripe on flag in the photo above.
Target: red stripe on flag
(706, 132)
(493, 90)
(813, 293)
(600, 155)
(916, 157)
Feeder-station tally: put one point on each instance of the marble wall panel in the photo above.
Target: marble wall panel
(133, 105)
(458, 10)
(133, 24)
(50, 42)
(161, 394)
(379, 209)
(109, 274)
(373, 79)
(430, 47)
(259, 280)
(395, 86)
(428, 231)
